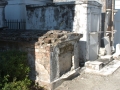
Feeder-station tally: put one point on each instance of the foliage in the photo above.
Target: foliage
(17, 85)
(14, 64)
(14, 70)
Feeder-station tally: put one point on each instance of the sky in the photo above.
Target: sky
(117, 4)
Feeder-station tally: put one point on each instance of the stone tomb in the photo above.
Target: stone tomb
(52, 55)
(3, 3)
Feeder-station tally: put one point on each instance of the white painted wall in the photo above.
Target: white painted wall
(2, 13)
(15, 12)
(117, 23)
(117, 4)
(75, 0)
(16, 9)
(91, 25)
(28, 2)
(1, 16)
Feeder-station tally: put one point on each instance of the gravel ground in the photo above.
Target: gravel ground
(92, 82)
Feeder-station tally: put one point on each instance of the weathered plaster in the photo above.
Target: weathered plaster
(50, 17)
(79, 16)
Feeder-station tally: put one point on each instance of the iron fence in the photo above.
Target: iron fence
(15, 24)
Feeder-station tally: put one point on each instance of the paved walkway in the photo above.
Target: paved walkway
(92, 82)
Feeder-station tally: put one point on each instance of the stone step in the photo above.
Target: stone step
(99, 63)
(105, 59)
(107, 70)
(94, 65)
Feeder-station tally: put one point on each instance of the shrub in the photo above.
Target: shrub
(17, 85)
(14, 64)
(14, 70)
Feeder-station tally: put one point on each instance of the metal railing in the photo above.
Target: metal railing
(15, 24)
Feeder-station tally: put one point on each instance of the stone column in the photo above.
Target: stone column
(3, 3)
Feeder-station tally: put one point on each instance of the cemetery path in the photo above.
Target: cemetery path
(92, 82)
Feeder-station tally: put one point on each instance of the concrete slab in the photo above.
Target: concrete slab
(94, 65)
(116, 56)
(107, 70)
(105, 59)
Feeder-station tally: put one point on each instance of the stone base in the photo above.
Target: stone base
(116, 56)
(105, 59)
(94, 65)
(108, 57)
(107, 70)
(99, 63)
